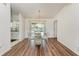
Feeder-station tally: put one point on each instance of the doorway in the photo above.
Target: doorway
(55, 29)
(37, 31)
(37, 28)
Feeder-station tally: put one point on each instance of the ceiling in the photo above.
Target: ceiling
(30, 10)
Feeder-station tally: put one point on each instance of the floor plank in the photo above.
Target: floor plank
(51, 48)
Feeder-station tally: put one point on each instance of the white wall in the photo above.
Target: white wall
(21, 27)
(68, 27)
(49, 26)
(4, 27)
(27, 28)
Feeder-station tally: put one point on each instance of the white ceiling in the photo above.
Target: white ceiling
(30, 10)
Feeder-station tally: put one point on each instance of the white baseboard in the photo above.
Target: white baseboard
(4, 51)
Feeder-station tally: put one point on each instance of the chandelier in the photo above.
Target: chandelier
(39, 14)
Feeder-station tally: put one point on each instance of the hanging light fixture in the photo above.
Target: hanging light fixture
(39, 13)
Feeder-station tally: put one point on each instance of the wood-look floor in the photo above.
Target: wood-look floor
(52, 48)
